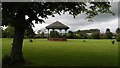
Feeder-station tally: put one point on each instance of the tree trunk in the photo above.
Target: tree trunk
(16, 51)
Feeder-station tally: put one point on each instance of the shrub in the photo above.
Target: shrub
(84, 40)
(31, 40)
(89, 37)
(82, 37)
(113, 41)
(95, 35)
(78, 36)
(85, 35)
(118, 38)
(71, 35)
(108, 35)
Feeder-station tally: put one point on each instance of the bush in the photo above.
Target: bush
(113, 41)
(85, 36)
(78, 36)
(31, 40)
(71, 35)
(82, 37)
(108, 35)
(89, 37)
(118, 38)
(95, 35)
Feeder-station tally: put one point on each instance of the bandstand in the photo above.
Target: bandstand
(57, 25)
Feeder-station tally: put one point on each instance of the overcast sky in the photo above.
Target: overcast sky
(101, 22)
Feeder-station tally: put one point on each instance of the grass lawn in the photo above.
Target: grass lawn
(74, 52)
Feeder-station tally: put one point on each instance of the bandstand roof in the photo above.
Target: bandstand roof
(57, 25)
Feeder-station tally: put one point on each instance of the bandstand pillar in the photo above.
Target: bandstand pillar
(48, 33)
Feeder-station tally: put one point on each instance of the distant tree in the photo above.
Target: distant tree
(89, 31)
(71, 34)
(94, 30)
(68, 35)
(78, 36)
(29, 33)
(95, 35)
(107, 30)
(78, 32)
(8, 32)
(85, 35)
(83, 31)
(89, 37)
(42, 34)
(118, 38)
(118, 30)
(38, 32)
(108, 34)
(43, 30)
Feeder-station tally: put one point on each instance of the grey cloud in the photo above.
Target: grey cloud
(80, 22)
(107, 17)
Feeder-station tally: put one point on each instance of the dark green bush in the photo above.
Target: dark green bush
(118, 38)
(30, 40)
(95, 35)
(113, 41)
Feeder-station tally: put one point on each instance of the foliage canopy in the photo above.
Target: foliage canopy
(14, 13)
(118, 30)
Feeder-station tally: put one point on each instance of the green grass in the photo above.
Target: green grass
(71, 53)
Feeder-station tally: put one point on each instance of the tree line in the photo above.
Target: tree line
(84, 34)
(79, 34)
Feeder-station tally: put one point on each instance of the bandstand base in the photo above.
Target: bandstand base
(57, 39)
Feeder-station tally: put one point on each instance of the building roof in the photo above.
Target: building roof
(116, 34)
(57, 25)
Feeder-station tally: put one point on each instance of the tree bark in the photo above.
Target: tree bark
(16, 51)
